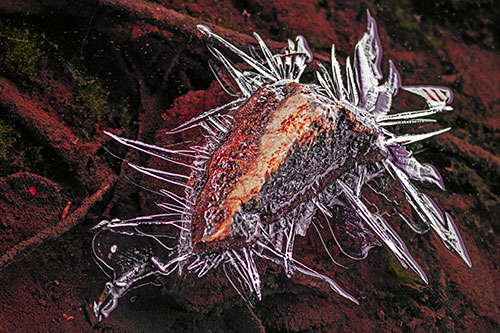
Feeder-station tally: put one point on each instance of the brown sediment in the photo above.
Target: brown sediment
(48, 127)
(64, 225)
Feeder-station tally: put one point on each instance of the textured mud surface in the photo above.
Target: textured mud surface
(69, 70)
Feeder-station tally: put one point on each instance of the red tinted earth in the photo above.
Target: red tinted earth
(71, 69)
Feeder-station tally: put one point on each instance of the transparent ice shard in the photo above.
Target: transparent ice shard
(241, 271)
(377, 99)
(436, 97)
(287, 66)
(428, 211)
(413, 168)
(276, 256)
(128, 260)
(367, 58)
(412, 138)
(385, 232)
(353, 239)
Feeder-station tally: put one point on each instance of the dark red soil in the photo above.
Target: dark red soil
(137, 68)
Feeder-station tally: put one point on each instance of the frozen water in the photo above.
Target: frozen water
(328, 178)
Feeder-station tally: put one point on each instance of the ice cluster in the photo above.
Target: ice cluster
(327, 184)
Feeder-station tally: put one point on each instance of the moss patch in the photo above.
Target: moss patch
(318, 45)
(410, 30)
(21, 48)
(93, 102)
(16, 154)
(399, 272)
(29, 52)
(91, 93)
(465, 178)
(8, 136)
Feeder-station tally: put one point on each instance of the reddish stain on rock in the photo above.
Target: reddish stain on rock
(24, 212)
(32, 190)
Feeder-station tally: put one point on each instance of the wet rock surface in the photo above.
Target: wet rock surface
(69, 70)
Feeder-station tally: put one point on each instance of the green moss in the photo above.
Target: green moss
(91, 92)
(226, 24)
(21, 48)
(94, 102)
(467, 180)
(318, 45)
(8, 137)
(408, 26)
(399, 272)
(22, 51)
(13, 150)
(94, 96)
(122, 116)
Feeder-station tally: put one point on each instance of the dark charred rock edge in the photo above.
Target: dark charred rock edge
(325, 156)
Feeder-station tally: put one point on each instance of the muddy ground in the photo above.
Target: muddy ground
(71, 69)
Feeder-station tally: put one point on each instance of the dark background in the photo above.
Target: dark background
(71, 69)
